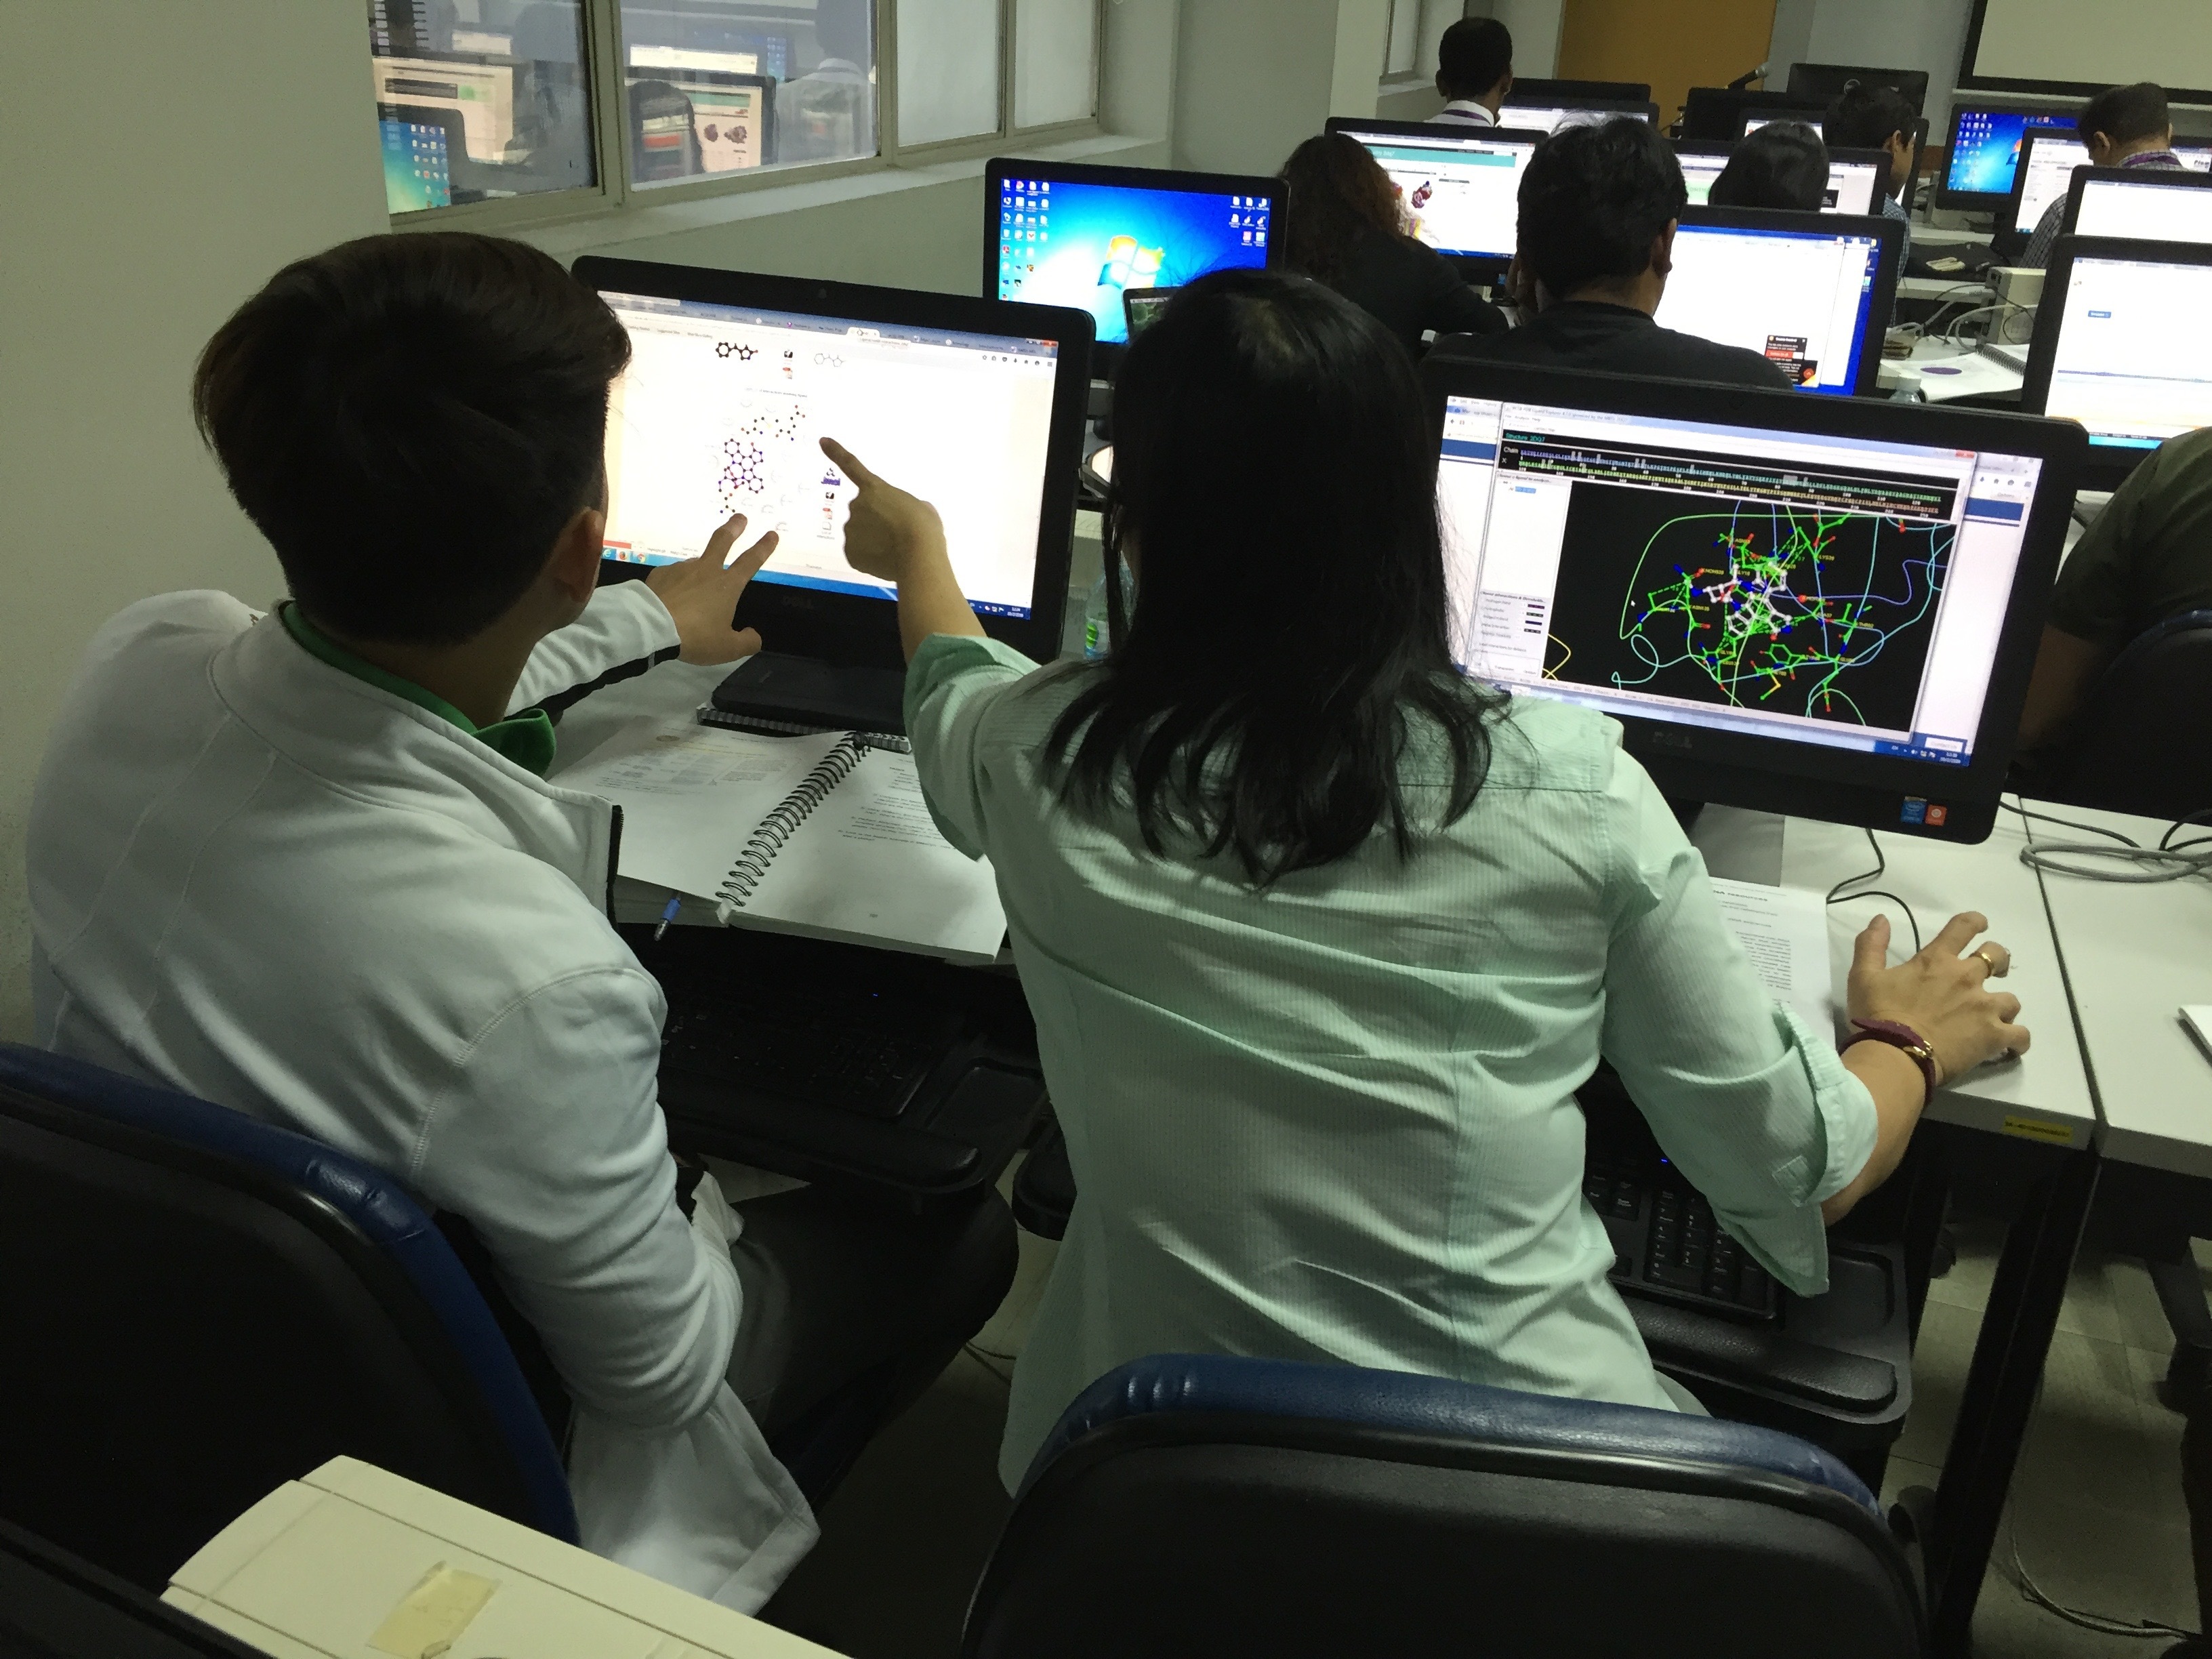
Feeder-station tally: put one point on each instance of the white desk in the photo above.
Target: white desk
(2044, 1095)
(1948, 372)
(1964, 289)
(2133, 954)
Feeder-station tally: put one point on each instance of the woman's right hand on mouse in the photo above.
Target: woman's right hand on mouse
(1943, 994)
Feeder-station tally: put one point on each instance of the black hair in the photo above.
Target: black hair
(1593, 199)
(1275, 471)
(2124, 114)
(1782, 165)
(411, 421)
(1863, 116)
(1473, 56)
(1339, 193)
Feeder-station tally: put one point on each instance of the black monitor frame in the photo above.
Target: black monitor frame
(683, 79)
(2149, 178)
(1978, 201)
(2008, 224)
(1717, 112)
(2102, 468)
(1475, 268)
(1806, 779)
(1606, 106)
(1829, 81)
(1888, 236)
(857, 630)
(1540, 91)
(1106, 354)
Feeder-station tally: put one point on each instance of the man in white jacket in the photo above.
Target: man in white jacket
(308, 865)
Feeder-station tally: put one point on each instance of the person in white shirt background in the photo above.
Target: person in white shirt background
(1474, 71)
(308, 866)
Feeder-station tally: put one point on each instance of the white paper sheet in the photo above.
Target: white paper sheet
(1784, 931)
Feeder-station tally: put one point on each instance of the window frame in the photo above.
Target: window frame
(607, 96)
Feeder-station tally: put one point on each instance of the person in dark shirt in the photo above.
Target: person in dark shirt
(1598, 210)
(1782, 165)
(1347, 231)
(2148, 556)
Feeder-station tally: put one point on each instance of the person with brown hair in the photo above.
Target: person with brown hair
(1346, 229)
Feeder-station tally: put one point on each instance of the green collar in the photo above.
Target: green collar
(527, 739)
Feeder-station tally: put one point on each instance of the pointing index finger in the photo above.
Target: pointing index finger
(847, 462)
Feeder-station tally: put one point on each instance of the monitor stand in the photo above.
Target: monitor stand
(805, 693)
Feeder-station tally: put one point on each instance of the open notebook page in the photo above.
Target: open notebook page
(691, 794)
(871, 865)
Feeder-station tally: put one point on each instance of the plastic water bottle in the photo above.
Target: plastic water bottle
(1097, 625)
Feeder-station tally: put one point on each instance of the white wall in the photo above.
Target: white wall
(132, 230)
(1254, 78)
(1536, 25)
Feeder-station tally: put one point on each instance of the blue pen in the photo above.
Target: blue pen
(667, 917)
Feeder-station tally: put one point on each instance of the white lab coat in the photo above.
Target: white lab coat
(259, 879)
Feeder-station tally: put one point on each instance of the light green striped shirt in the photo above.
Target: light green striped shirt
(1336, 1120)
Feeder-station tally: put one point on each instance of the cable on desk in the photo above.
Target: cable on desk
(2130, 864)
(1838, 895)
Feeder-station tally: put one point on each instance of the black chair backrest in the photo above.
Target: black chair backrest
(2142, 742)
(1218, 1515)
(187, 1327)
(53, 1606)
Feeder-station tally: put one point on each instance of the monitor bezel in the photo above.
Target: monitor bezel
(1731, 104)
(1773, 775)
(680, 78)
(2009, 225)
(1894, 79)
(2151, 177)
(1980, 200)
(1106, 354)
(1889, 258)
(2099, 470)
(1474, 267)
(1643, 106)
(857, 630)
(1554, 90)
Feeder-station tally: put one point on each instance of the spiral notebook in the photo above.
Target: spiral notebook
(822, 834)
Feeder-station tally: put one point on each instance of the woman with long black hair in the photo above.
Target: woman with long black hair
(1321, 936)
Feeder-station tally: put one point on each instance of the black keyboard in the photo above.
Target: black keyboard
(868, 1052)
(1667, 1243)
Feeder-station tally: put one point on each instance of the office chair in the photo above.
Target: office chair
(1189, 1504)
(2142, 742)
(199, 1307)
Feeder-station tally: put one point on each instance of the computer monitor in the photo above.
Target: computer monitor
(733, 114)
(1525, 113)
(1984, 152)
(1460, 186)
(1141, 307)
(1534, 90)
(1755, 119)
(1827, 81)
(2117, 348)
(1854, 175)
(664, 58)
(1812, 293)
(1063, 234)
(976, 404)
(2144, 204)
(1807, 606)
(418, 161)
(2046, 171)
(1710, 112)
(482, 94)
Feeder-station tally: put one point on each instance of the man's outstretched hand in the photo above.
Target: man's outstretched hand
(702, 595)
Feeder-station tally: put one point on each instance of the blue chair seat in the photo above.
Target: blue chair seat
(201, 1306)
(1188, 1503)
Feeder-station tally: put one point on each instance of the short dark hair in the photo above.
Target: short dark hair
(411, 420)
(2125, 114)
(1782, 165)
(1862, 116)
(1593, 200)
(1289, 661)
(1474, 55)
